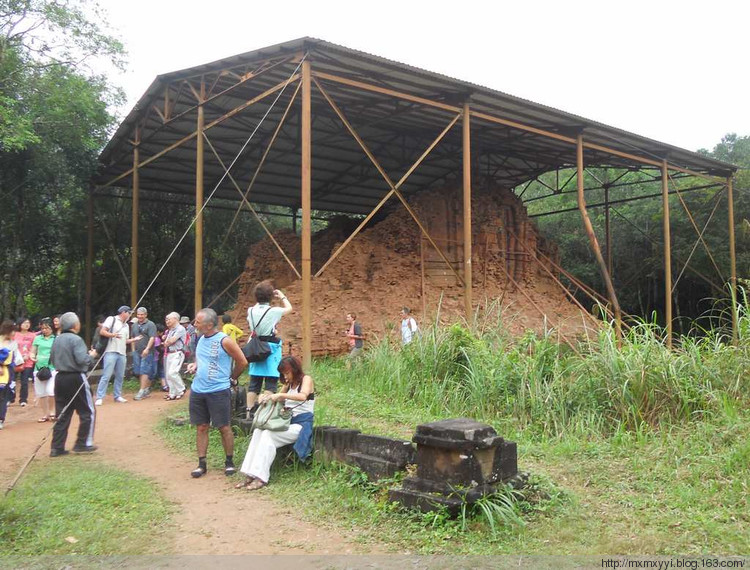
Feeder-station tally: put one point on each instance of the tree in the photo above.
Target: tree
(54, 119)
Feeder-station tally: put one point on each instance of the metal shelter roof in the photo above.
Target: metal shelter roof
(397, 129)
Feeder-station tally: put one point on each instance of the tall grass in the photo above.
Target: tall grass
(604, 386)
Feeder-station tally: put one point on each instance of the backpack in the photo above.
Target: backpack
(101, 346)
(6, 358)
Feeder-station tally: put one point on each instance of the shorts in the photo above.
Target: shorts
(256, 382)
(355, 353)
(44, 388)
(144, 365)
(212, 407)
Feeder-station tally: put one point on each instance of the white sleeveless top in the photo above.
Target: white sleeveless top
(299, 407)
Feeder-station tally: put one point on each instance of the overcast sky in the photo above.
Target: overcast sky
(673, 71)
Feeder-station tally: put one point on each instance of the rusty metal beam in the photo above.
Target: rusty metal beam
(732, 261)
(210, 125)
(394, 188)
(468, 281)
(305, 200)
(593, 241)
(667, 252)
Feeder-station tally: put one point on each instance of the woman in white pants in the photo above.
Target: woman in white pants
(172, 365)
(297, 394)
(174, 345)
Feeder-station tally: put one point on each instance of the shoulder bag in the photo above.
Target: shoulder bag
(272, 416)
(256, 350)
(101, 346)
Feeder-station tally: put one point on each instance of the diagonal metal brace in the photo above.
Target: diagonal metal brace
(250, 207)
(394, 187)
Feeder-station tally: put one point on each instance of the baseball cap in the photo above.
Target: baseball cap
(124, 309)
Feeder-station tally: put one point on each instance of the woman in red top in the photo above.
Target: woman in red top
(25, 338)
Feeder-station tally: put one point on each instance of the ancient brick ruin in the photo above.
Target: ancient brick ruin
(389, 265)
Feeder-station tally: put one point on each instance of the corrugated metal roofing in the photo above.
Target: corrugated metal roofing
(397, 132)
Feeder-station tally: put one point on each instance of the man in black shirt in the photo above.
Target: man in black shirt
(144, 359)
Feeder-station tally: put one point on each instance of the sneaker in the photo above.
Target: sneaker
(146, 392)
(1, 425)
(98, 402)
(199, 471)
(58, 452)
(23, 404)
(139, 396)
(230, 470)
(120, 400)
(84, 449)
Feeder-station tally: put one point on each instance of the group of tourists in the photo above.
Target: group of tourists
(57, 360)
(158, 352)
(25, 357)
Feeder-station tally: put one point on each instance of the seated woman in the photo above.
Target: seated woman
(296, 392)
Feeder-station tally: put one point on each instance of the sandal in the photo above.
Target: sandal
(42, 420)
(199, 471)
(52, 418)
(245, 483)
(179, 396)
(255, 485)
(230, 470)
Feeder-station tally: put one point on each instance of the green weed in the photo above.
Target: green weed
(77, 507)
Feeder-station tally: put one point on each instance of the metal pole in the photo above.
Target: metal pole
(89, 262)
(134, 226)
(306, 184)
(608, 232)
(592, 238)
(467, 211)
(198, 300)
(732, 261)
(667, 252)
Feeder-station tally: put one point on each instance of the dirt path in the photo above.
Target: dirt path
(211, 516)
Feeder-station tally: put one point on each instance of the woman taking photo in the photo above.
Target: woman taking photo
(40, 351)
(262, 319)
(297, 395)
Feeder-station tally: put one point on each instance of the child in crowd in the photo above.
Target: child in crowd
(229, 329)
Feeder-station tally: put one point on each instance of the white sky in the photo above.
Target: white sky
(673, 71)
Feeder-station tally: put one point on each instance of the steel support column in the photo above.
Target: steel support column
(134, 226)
(89, 262)
(306, 184)
(732, 261)
(667, 252)
(198, 300)
(467, 211)
(592, 238)
(608, 232)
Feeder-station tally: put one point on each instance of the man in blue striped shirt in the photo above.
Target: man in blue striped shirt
(218, 363)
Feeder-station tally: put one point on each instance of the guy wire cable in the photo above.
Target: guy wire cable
(21, 471)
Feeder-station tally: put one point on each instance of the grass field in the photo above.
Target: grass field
(83, 508)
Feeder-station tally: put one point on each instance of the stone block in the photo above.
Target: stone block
(332, 443)
(243, 424)
(398, 451)
(458, 433)
(506, 461)
(425, 502)
(376, 468)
